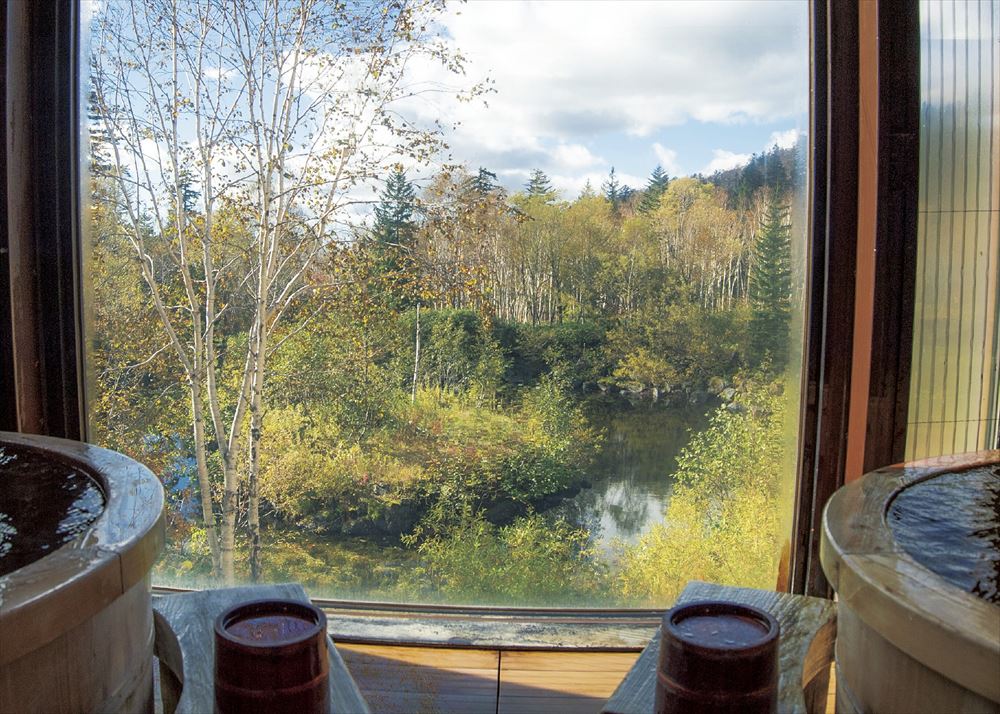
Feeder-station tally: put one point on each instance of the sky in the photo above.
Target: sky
(580, 87)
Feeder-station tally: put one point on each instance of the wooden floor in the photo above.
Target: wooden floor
(426, 680)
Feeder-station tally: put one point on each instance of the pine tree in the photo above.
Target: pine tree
(612, 189)
(751, 179)
(394, 227)
(771, 290)
(394, 234)
(99, 139)
(655, 189)
(189, 196)
(540, 185)
(485, 182)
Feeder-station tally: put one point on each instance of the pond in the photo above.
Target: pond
(631, 478)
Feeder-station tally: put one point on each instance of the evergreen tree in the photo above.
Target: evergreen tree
(540, 185)
(394, 234)
(612, 189)
(394, 225)
(189, 197)
(485, 182)
(616, 192)
(771, 290)
(99, 139)
(775, 173)
(655, 189)
(751, 179)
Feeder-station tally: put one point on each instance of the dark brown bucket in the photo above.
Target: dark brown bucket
(717, 657)
(270, 656)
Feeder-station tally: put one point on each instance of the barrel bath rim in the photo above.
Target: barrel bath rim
(92, 594)
(884, 593)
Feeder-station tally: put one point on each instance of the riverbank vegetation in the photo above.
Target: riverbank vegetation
(390, 408)
(440, 445)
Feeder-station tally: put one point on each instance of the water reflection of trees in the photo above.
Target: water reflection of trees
(631, 479)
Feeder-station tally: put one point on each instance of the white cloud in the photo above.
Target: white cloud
(783, 139)
(723, 160)
(623, 69)
(668, 159)
(574, 156)
(217, 73)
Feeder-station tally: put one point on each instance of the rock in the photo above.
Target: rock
(728, 394)
(697, 396)
(503, 512)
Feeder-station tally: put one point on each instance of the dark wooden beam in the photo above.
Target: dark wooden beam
(8, 395)
(896, 232)
(829, 332)
(43, 316)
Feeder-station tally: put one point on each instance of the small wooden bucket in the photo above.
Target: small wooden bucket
(271, 656)
(717, 657)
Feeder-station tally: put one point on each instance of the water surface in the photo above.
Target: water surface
(43, 504)
(950, 524)
(631, 480)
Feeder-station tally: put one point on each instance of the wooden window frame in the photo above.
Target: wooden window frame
(40, 239)
(855, 396)
(42, 385)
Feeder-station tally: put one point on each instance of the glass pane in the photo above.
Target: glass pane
(955, 383)
(491, 303)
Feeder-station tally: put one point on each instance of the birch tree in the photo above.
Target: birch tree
(238, 133)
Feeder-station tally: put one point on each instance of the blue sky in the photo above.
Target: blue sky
(582, 86)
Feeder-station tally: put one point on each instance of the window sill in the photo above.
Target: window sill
(485, 627)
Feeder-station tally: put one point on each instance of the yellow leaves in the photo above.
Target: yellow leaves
(722, 522)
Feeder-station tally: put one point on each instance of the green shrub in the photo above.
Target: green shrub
(722, 522)
(532, 561)
(439, 447)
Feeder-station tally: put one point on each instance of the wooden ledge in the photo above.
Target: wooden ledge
(496, 628)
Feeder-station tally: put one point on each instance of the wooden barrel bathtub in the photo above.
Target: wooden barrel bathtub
(76, 627)
(917, 632)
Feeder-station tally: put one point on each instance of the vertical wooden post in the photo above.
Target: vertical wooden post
(894, 258)
(833, 242)
(864, 272)
(42, 173)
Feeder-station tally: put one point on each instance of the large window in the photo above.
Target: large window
(490, 303)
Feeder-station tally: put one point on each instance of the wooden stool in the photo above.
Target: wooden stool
(185, 642)
(808, 630)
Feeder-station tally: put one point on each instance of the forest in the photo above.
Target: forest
(392, 407)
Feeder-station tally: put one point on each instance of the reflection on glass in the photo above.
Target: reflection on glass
(955, 379)
(448, 303)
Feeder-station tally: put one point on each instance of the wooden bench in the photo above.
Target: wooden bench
(185, 646)
(805, 651)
